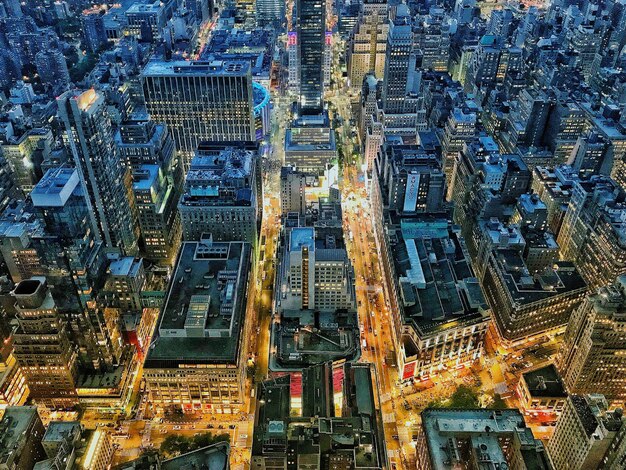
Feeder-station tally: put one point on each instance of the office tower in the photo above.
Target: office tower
(414, 179)
(106, 179)
(22, 431)
(482, 72)
(566, 123)
(42, 346)
(591, 231)
(369, 42)
(477, 439)
(94, 32)
(322, 404)
(201, 101)
(294, 68)
(52, 70)
(125, 279)
(526, 306)
(196, 361)
(310, 145)
(311, 34)
(432, 39)
(397, 60)
(437, 327)
(292, 191)
(13, 8)
(460, 127)
(220, 196)
(590, 154)
(25, 154)
(592, 357)
(270, 13)
(318, 274)
(588, 436)
(159, 223)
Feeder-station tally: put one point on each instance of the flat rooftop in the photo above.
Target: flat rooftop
(544, 382)
(526, 289)
(204, 310)
(437, 284)
(213, 457)
(161, 68)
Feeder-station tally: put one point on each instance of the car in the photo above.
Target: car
(163, 431)
(232, 426)
(396, 437)
(209, 426)
(176, 428)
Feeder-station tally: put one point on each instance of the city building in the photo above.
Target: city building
(21, 431)
(52, 69)
(220, 196)
(368, 43)
(195, 362)
(125, 279)
(526, 306)
(99, 453)
(442, 316)
(588, 435)
(318, 274)
(310, 145)
(159, 221)
(107, 180)
(201, 101)
(542, 392)
(325, 418)
(478, 439)
(94, 32)
(397, 57)
(25, 153)
(593, 354)
(311, 42)
(292, 191)
(42, 346)
(591, 233)
(270, 13)
(59, 443)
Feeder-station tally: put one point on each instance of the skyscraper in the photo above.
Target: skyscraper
(399, 46)
(593, 354)
(42, 346)
(201, 101)
(107, 180)
(367, 51)
(311, 33)
(94, 33)
(270, 13)
(52, 69)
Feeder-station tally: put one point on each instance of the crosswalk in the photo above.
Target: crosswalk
(389, 418)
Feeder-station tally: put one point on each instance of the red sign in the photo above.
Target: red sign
(409, 370)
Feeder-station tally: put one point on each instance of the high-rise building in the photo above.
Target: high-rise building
(220, 196)
(591, 233)
(588, 436)
(94, 32)
(318, 274)
(52, 70)
(42, 346)
(432, 39)
(25, 154)
(524, 306)
(397, 59)
(436, 326)
(292, 191)
(107, 180)
(311, 43)
(592, 357)
(270, 13)
(368, 43)
(197, 360)
(22, 431)
(201, 101)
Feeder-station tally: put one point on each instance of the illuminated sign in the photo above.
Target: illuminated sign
(410, 195)
(409, 370)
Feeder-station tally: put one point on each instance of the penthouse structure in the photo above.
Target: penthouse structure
(201, 101)
(195, 360)
(442, 315)
(220, 196)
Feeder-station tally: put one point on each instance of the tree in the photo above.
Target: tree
(175, 444)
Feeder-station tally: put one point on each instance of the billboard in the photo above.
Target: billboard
(410, 195)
